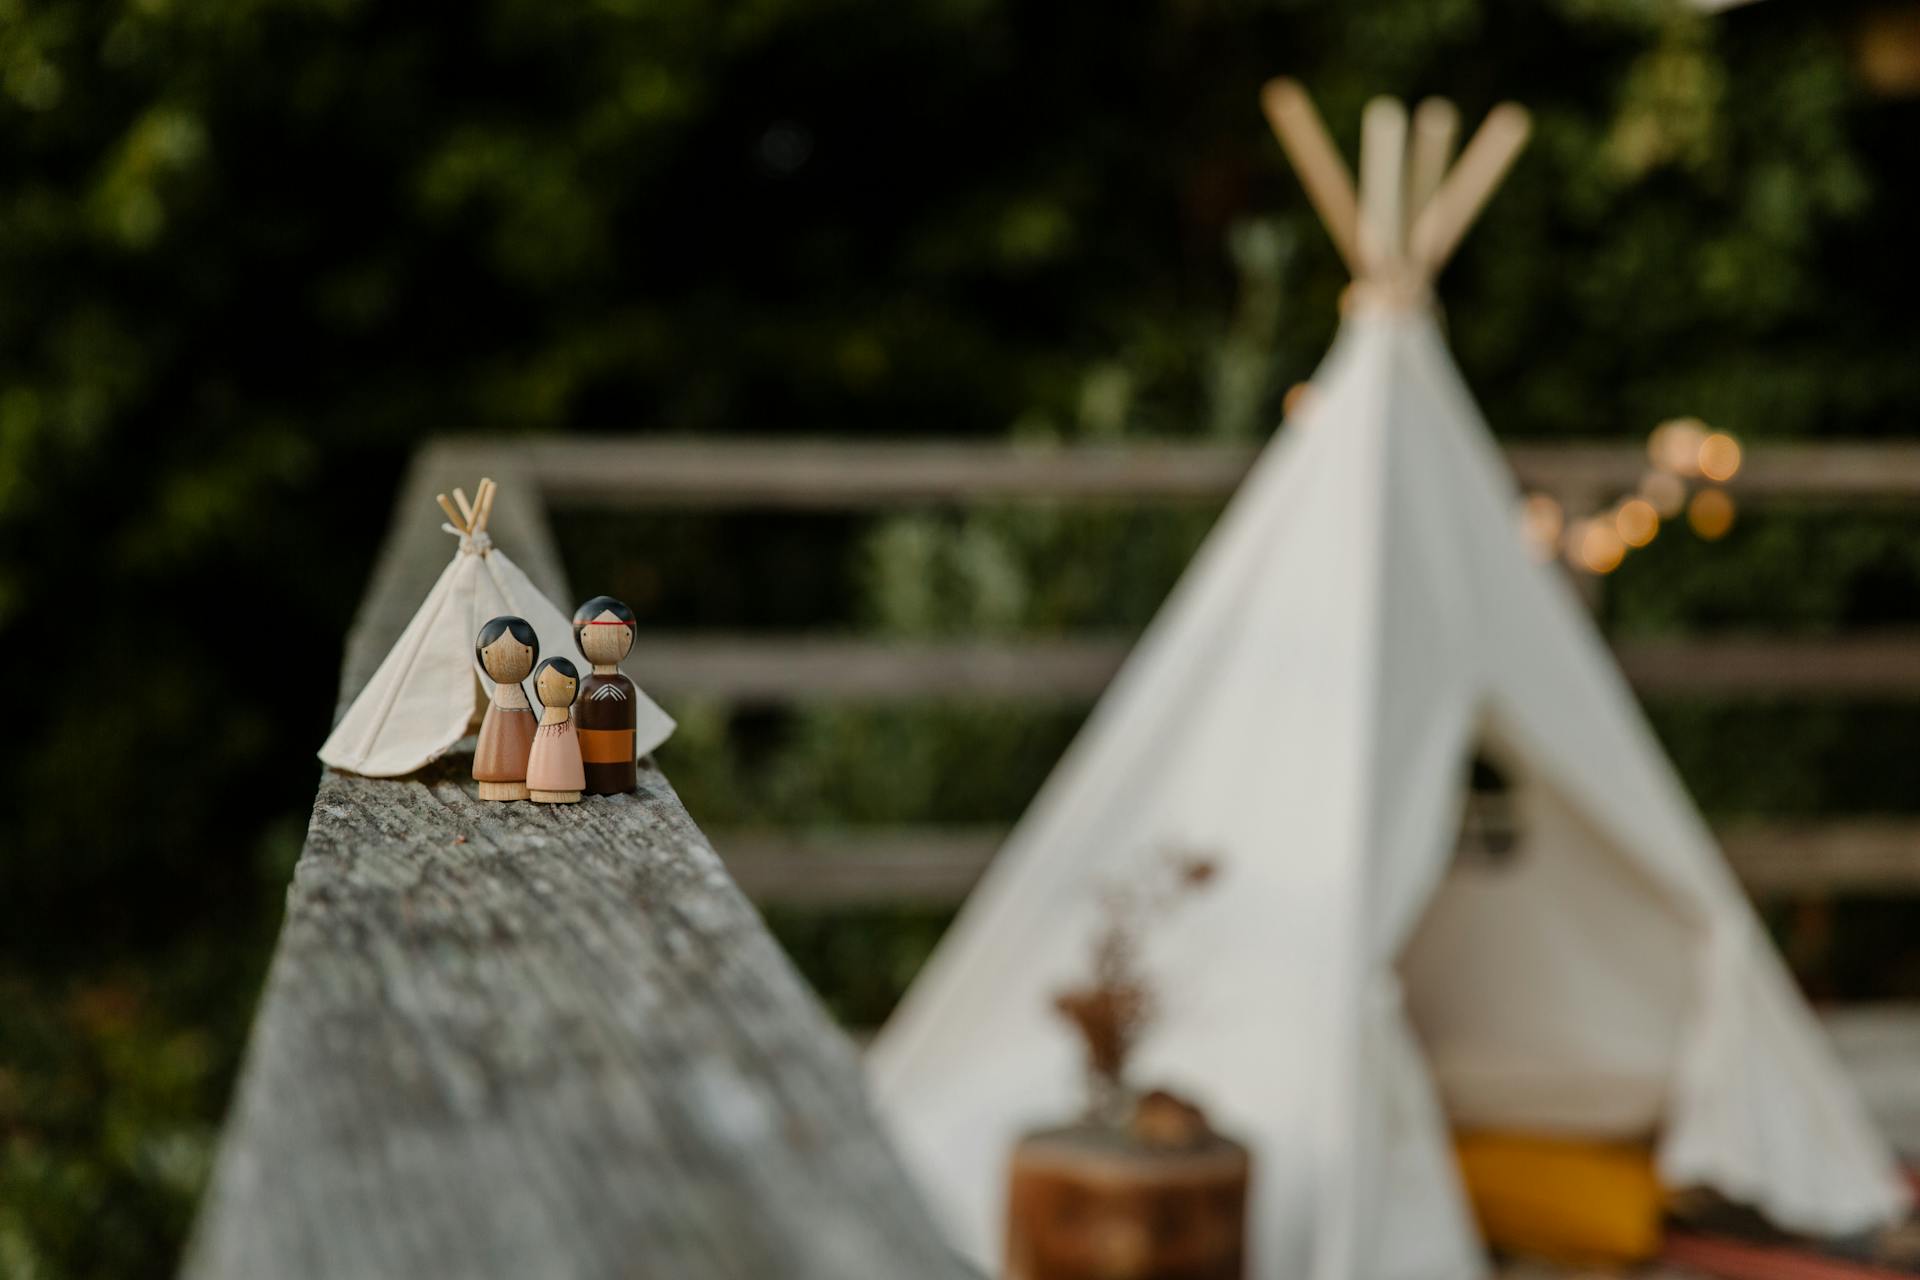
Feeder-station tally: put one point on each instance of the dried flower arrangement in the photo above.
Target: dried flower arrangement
(1115, 1009)
(1141, 1185)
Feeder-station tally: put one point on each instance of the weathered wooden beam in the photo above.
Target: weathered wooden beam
(780, 668)
(515, 1040)
(626, 472)
(938, 866)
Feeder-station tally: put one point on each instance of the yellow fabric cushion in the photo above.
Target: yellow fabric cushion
(1560, 1199)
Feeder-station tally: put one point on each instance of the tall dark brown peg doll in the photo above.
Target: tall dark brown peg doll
(603, 628)
(553, 769)
(506, 649)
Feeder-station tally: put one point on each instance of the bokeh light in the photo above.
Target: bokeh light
(1295, 402)
(1542, 520)
(1711, 513)
(1637, 522)
(1666, 492)
(1675, 445)
(1596, 546)
(1719, 457)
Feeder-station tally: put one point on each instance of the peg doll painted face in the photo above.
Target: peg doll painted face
(603, 628)
(555, 682)
(506, 649)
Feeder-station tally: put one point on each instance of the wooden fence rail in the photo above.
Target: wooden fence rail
(618, 472)
(519, 1041)
(937, 867)
(786, 668)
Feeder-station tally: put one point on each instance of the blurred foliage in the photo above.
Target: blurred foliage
(251, 251)
(1799, 568)
(107, 1089)
(859, 959)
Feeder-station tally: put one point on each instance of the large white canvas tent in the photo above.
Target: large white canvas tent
(1362, 623)
(421, 698)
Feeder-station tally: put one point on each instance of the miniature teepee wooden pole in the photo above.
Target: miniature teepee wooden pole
(483, 505)
(1322, 172)
(469, 517)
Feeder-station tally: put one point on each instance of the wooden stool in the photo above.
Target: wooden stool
(1100, 1204)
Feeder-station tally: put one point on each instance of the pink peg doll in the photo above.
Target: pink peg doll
(555, 774)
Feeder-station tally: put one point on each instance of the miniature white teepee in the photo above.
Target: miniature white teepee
(421, 699)
(1363, 621)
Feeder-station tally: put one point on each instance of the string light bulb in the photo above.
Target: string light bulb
(1636, 522)
(1690, 463)
(1598, 546)
(1711, 514)
(1542, 521)
(1675, 445)
(1719, 457)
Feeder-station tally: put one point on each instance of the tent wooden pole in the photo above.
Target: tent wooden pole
(1465, 191)
(466, 507)
(1436, 127)
(1383, 171)
(1322, 172)
(453, 513)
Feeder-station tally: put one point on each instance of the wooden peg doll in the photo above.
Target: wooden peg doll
(554, 772)
(603, 629)
(506, 648)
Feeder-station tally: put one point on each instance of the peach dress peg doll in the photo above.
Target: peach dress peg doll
(555, 773)
(506, 649)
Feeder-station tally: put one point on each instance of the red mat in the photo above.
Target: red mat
(1739, 1260)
